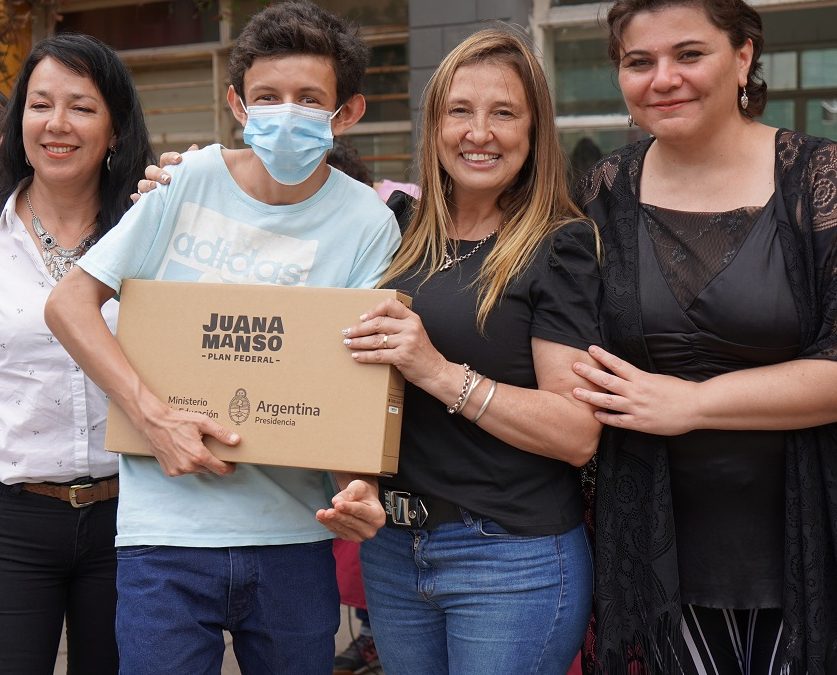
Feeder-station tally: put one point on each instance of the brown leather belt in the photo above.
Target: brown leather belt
(80, 495)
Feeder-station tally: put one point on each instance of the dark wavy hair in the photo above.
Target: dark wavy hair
(735, 17)
(301, 28)
(91, 58)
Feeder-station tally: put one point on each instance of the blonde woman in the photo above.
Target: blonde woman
(484, 565)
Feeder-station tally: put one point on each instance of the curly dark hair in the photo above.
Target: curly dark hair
(735, 17)
(345, 157)
(301, 28)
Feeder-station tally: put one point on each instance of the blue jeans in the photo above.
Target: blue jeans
(470, 598)
(280, 604)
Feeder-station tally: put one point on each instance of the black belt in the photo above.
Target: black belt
(416, 512)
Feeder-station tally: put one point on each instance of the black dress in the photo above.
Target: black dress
(638, 602)
(716, 299)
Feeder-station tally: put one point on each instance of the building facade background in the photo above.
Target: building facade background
(177, 51)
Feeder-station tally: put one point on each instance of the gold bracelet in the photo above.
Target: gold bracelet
(457, 405)
(487, 400)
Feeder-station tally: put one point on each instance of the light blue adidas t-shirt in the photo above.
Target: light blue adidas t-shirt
(203, 227)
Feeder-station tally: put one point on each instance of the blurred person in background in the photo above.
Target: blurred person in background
(360, 653)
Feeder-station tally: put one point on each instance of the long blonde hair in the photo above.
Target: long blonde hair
(534, 206)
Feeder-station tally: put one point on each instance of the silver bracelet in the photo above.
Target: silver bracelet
(457, 405)
(475, 382)
(487, 400)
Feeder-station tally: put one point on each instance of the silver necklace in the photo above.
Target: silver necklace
(450, 262)
(58, 260)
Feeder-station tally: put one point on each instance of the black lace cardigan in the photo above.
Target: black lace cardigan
(637, 604)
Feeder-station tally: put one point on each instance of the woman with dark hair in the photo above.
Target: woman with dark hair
(717, 473)
(74, 144)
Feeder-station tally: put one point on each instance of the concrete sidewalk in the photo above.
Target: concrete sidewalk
(230, 667)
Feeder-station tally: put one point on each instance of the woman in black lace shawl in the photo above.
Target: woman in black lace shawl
(716, 504)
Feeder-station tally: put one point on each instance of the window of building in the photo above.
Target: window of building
(386, 85)
(591, 115)
(557, 3)
(366, 13)
(819, 68)
(388, 155)
(383, 136)
(585, 81)
(152, 24)
(800, 68)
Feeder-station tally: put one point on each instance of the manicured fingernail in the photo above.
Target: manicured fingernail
(165, 178)
(363, 317)
(345, 331)
(355, 355)
(347, 342)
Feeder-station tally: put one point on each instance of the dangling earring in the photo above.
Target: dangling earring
(630, 120)
(111, 153)
(744, 100)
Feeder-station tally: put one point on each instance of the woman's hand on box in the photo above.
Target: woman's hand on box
(356, 513)
(392, 333)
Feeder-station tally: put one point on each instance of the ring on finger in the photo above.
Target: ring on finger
(386, 341)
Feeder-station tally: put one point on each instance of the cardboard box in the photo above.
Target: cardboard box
(268, 362)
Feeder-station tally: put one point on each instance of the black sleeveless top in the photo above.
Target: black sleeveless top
(715, 299)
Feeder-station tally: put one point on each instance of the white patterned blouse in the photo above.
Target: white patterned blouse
(52, 417)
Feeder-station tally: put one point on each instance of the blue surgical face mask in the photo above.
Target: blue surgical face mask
(289, 139)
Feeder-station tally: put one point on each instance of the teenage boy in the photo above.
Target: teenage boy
(203, 545)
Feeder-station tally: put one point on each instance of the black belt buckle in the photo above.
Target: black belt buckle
(404, 509)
